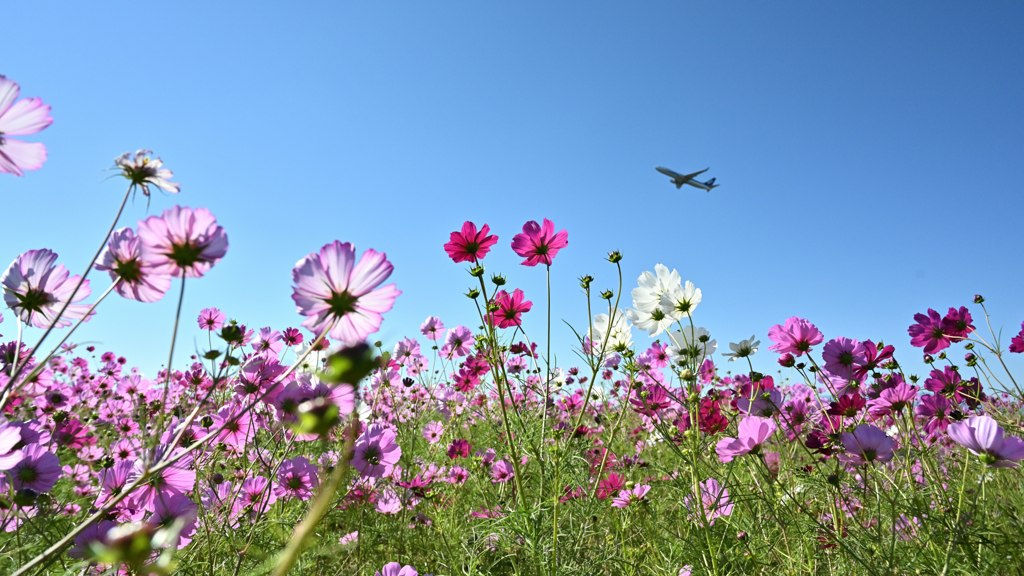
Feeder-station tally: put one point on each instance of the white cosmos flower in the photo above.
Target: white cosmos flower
(742, 349)
(654, 321)
(691, 344)
(680, 301)
(650, 287)
(621, 334)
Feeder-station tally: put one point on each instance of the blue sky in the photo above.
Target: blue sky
(869, 154)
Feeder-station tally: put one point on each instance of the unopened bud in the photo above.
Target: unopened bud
(476, 271)
(978, 299)
(607, 295)
(473, 294)
(615, 257)
(498, 279)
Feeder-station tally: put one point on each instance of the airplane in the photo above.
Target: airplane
(680, 179)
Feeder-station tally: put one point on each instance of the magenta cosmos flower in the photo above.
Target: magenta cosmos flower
(539, 244)
(182, 241)
(211, 319)
(866, 444)
(928, 333)
(122, 258)
(984, 437)
(796, 336)
(510, 308)
(376, 452)
(841, 355)
(38, 470)
(36, 290)
(753, 431)
(396, 569)
(27, 116)
(470, 245)
(1017, 342)
(332, 289)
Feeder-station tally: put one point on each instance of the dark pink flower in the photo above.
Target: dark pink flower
(935, 408)
(753, 431)
(796, 336)
(510, 308)
(122, 258)
(254, 496)
(331, 288)
(841, 354)
(609, 486)
(1017, 343)
(27, 116)
(928, 332)
(957, 323)
(984, 437)
(459, 449)
(891, 400)
(873, 358)
(470, 245)
(297, 478)
(36, 290)
(867, 444)
(182, 241)
(539, 244)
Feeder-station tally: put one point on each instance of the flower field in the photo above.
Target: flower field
(315, 449)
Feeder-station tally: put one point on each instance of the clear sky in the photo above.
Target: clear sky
(870, 155)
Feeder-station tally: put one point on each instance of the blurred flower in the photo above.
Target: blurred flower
(36, 290)
(332, 288)
(458, 342)
(539, 244)
(742, 349)
(396, 569)
(142, 171)
(984, 437)
(469, 245)
(182, 242)
(713, 502)
(38, 469)
(866, 444)
(627, 497)
(27, 116)
(296, 478)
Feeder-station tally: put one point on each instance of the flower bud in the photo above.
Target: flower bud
(476, 271)
(928, 359)
(615, 257)
(607, 295)
(978, 299)
(473, 294)
(787, 361)
(585, 281)
(498, 279)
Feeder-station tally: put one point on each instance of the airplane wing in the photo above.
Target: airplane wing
(689, 176)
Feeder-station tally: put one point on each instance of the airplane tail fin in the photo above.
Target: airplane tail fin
(711, 184)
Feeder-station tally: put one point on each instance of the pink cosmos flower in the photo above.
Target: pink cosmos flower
(331, 288)
(38, 470)
(254, 496)
(608, 486)
(935, 409)
(179, 478)
(510, 308)
(170, 509)
(841, 354)
(795, 337)
(895, 399)
(470, 245)
(113, 480)
(122, 258)
(182, 241)
(459, 449)
(957, 323)
(396, 569)
(36, 290)
(1017, 343)
(873, 358)
(10, 436)
(143, 171)
(432, 328)
(458, 342)
(297, 478)
(502, 471)
(928, 332)
(211, 319)
(432, 432)
(866, 444)
(713, 501)
(268, 342)
(753, 431)
(984, 437)
(627, 497)
(539, 244)
(376, 453)
(27, 116)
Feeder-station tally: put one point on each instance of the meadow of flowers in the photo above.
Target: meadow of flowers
(313, 449)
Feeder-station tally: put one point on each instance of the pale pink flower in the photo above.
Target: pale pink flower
(27, 116)
(376, 452)
(985, 438)
(396, 569)
(331, 288)
(432, 328)
(866, 444)
(458, 342)
(36, 290)
(122, 258)
(182, 241)
(143, 171)
(627, 497)
(753, 431)
(38, 470)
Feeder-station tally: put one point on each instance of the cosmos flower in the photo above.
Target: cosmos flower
(142, 171)
(621, 336)
(742, 349)
(691, 344)
(796, 336)
(713, 501)
(27, 116)
(841, 354)
(753, 431)
(122, 258)
(458, 342)
(182, 241)
(38, 469)
(928, 333)
(376, 453)
(539, 244)
(331, 288)
(1017, 343)
(459, 449)
(510, 308)
(297, 478)
(501, 471)
(211, 319)
(866, 444)
(680, 301)
(170, 509)
(10, 436)
(469, 245)
(396, 569)
(36, 290)
(632, 496)
(985, 438)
